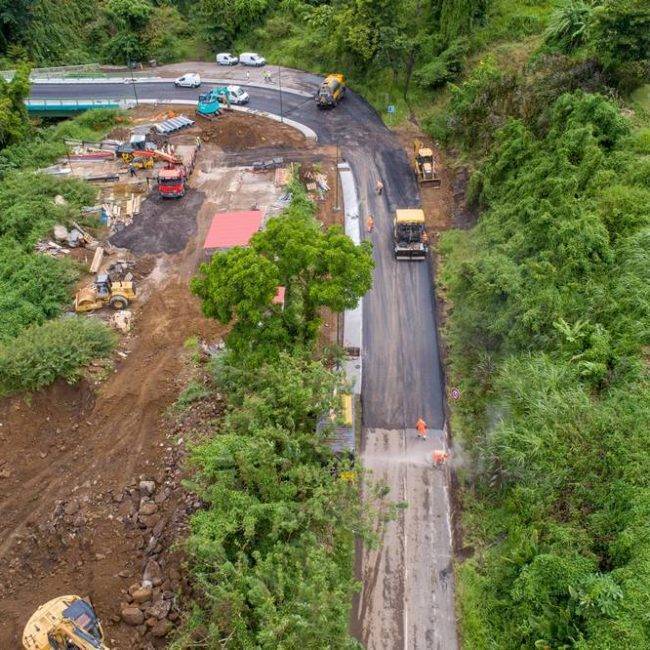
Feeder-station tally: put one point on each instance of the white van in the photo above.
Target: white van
(252, 58)
(189, 80)
(225, 58)
(237, 95)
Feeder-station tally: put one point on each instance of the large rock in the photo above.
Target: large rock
(152, 571)
(132, 615)
(160, 609)
(148, 508)
(142, 595)
(147, 487)
(161, 628)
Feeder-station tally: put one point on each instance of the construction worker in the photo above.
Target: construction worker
(267, 77)
(132, 170)
(370, 223)
(379, 186)
(439, 456)
(198, 143)
(421, 426)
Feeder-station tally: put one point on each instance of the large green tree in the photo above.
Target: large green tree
(318, 268)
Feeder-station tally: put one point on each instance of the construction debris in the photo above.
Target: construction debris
(266, 165)
(50, 248)
(122, 320)
(97, 259)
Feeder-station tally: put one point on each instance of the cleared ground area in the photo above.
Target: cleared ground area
(90, 493)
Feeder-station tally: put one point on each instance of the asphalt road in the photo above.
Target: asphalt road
(408, 595)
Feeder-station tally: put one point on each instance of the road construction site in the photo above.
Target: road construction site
(90, 493)
(407, 600)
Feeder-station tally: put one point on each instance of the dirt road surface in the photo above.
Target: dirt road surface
(402, 375)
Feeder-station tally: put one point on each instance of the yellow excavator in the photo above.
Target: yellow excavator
(64, 623)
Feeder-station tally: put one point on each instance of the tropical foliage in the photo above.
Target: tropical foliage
(317, 268)
(549, 335)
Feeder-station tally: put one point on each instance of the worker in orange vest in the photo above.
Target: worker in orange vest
(421, 426)
(379, 186)
(370, 223)
(439, 456)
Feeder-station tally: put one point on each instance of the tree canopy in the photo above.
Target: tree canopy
(318, 269)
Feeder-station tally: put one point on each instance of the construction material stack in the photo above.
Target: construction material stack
(409, 235)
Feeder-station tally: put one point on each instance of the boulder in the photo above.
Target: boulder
(142, 594)
(162, 628)
(132, 615)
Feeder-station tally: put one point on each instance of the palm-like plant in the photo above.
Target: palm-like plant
(568, 24)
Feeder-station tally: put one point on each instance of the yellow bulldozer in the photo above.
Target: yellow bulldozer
(103, 292)
(425, 166)
(66, 622)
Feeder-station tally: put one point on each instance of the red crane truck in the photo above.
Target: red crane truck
(172, 180)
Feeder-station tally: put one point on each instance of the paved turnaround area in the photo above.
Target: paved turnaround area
(407, 599)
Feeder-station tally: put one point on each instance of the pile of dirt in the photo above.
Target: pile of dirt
(237, 132)
(163, 225)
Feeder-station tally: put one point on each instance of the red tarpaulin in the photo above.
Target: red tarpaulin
(230, 229)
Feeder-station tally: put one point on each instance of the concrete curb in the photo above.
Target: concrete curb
(303, 128)
(352, 318)
(155, 80)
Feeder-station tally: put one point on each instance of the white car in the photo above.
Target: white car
(252, 58)
(237, 95)
(189, 80)
(225, 58)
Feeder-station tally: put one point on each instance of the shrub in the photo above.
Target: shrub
(567, 28)
(57, 348)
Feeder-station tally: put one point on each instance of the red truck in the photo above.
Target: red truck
(172, 180)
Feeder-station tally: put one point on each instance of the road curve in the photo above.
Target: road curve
(407, 599)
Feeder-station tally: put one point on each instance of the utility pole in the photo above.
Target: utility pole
(128, 63)
(280, 86)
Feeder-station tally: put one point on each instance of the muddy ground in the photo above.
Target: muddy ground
(90, 495)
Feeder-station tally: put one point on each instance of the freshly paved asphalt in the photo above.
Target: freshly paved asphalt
(402, 376)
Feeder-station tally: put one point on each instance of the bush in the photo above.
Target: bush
(567, 29)
(274, 545)
(58, 348)
(444, 67)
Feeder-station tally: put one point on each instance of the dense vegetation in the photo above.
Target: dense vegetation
(272, 552)
(35, 288)
(549, 328)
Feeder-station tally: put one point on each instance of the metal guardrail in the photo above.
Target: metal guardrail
(76, 104)
(54, 71)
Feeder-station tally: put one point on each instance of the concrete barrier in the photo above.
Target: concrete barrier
(352, 318)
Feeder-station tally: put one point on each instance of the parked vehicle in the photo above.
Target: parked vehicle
(189, 80)
(331, 91)
(252, 59)
(225, 58)
(237, 95)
